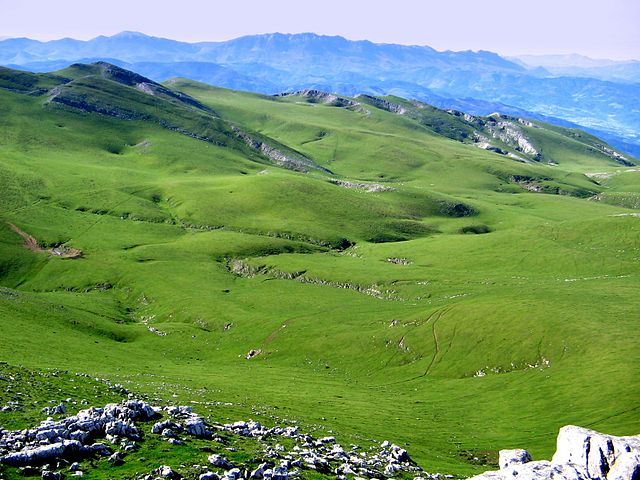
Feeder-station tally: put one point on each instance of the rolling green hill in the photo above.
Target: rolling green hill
(394, 280)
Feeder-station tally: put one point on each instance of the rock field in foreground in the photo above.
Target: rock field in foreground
(115, 430)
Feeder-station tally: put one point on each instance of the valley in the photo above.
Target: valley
(372, 268)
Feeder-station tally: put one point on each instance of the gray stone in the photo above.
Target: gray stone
(47, 475)
(233, 474)
(42, 454)
(159, 427)
(209, 476)
(116, 458)
(166, 471)
(259, 472)
(195, 426)
(218, 460)
(280, 473)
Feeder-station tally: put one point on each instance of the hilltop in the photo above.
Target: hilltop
(371, 268)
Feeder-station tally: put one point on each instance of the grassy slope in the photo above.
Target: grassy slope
(554, 281)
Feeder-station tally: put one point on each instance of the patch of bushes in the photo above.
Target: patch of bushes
(456, 209)
(475, 229)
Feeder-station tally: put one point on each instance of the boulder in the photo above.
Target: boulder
(100, 449)
(591, 451)
(399, 453)
(513, 457)
(43, 454)
(218, 460)
(209, 476)
(280, 473)
(47, 475)
(166, 471)
(195, 426)
(581, 454)
(233, 474)
(258, 472)
(159, 427)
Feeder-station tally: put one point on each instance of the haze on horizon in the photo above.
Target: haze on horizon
(594, 29)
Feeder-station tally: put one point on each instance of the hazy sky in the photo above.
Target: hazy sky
(597, 28)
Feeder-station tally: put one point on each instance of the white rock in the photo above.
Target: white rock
(591, 451)
(626, 467)
(259, 472)
(233, 474)
(195, 426)
(541, 470)
(513, 457)
(218, 460)
(166, 471)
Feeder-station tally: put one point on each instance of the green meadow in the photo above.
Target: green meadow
(452, 312)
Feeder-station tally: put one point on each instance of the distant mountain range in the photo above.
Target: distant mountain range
(581, 66)
(478, 82)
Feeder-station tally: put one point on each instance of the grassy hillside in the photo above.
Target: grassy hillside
(412, 287)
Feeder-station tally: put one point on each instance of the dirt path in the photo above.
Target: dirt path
(30, 243)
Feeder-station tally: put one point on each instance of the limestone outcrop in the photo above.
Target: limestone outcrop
(581, 454)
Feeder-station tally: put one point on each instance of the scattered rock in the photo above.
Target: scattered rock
(258, 472)
(218, 461)
(209, 476)
(47, 475)
(253, 353)
(399, 261)
(116, 458)
(367, 187)
(72, 438)
(166, 472)
(59, 409)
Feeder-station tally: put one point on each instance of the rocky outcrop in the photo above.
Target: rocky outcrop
(595, 452)
(612, 154)
(383, 104)
(65, 97)
(319, 96)
(120, 75)
(244, 269)
(286, 159)
(510, 133)
(581, 454)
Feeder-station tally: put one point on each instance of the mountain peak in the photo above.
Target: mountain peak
(129, 34)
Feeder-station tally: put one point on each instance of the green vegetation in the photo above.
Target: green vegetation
(472, 302)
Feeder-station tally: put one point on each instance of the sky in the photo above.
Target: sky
(595, 28)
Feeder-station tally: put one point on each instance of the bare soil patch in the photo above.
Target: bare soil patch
(30, 243)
